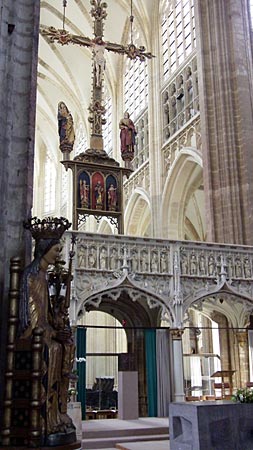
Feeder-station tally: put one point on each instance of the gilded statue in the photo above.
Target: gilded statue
(44, 304)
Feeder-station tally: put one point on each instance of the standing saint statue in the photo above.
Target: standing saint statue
(99, 190)
(84, 193)
(127, 138)
(112, 197)
(43, 305)
(65, 128)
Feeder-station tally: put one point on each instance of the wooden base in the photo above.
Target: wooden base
(75, 446)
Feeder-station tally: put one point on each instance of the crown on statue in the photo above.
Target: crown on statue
(47, 228)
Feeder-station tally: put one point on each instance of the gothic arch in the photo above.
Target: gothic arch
(138, 213)
(183, 198)
(105, 227)
(142, 308)
(235, 306)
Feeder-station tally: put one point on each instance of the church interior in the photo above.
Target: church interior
(133, 120)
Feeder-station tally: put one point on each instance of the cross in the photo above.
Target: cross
(98, 46)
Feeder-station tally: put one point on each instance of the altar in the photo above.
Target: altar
(219, 425)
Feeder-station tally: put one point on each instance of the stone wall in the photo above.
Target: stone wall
(19, 23)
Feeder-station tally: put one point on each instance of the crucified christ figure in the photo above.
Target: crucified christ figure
(99, 59)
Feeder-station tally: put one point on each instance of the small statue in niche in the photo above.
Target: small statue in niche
(84, 193)
(193, 264)
(163, 263)
(202, 265)
(81, 256)
(211, 266)
(99, 190)
(247, 268)
(92, 259)
(103, 258)
(144, 262)
(154, 262)
(238, 268)
(112, 198)
(134, 261)
(113, 259)
(184, 264)
(230, 267)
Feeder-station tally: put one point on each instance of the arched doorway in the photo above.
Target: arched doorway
(129, 314)
(217, 340)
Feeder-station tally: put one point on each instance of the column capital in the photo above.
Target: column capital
(176, 333)
(242, 337)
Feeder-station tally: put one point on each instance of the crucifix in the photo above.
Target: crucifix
(97, 178)
(98, 46)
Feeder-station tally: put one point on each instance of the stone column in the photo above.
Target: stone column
(156, 169)
(19, 25)
(178, 368)
(224, 53)
(243, 354)
(225, 348)
(139, 350)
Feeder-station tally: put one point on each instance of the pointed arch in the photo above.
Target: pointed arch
(138, 214)
(183, 198)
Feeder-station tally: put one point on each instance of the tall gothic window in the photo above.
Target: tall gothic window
(50, 185)
(80, 140)
(178, 33)
(135, 87)
(107, 128)
(251, 12)
(136, 102)
(64, 189)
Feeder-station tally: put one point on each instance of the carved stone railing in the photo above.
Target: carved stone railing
(188, 137)
(142, 144)
(140, 178)
(171, 275)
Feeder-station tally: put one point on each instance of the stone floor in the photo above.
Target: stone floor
(147, 433)
(149, 445)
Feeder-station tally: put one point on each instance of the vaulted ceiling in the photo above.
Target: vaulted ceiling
(64, 72)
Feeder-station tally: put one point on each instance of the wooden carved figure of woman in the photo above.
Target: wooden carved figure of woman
(35, 310)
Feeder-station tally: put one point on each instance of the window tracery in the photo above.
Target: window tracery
(107, 128)
(49, 185)
(177, 33)
(180, 100)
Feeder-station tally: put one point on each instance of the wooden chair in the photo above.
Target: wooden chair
(21, 419)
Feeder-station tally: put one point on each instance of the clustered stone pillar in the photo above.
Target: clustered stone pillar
(243, 356)
(223, 31)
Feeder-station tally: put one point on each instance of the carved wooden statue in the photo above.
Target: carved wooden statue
(42, 332)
